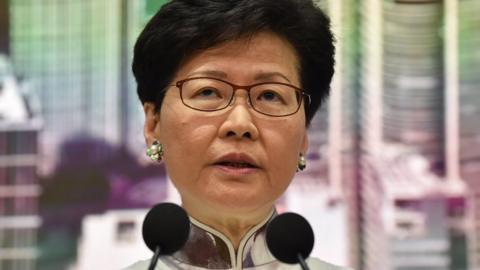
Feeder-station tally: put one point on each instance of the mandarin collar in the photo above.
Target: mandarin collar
(211, 249)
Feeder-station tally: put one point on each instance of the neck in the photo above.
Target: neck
(234, 225)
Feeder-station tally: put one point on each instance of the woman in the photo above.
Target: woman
(228, 89)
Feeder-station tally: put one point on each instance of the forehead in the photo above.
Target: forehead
(244, 59)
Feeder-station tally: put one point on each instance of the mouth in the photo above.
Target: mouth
(236, 164)
(237, 161)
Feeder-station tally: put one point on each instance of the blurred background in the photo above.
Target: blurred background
(393, 162)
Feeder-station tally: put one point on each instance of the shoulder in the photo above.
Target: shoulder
(163, 263)
(138, 265)
(142, 265)
(313, 263)
(316, 264)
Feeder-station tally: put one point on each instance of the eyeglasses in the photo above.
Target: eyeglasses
(269, 98)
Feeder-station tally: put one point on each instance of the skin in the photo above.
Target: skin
(228, 199)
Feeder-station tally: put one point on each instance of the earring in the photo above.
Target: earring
(302, 163)
(155, 151)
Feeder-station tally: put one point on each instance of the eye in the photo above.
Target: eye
(207, 92)
(270, 96)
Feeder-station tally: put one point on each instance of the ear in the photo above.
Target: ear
(152, 121)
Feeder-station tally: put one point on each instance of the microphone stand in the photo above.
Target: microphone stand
(302, 262)
(155, 257)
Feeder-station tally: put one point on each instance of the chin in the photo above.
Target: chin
(240, 202)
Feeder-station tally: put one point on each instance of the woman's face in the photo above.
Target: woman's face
(203, 150)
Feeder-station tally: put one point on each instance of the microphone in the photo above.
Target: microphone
(290, 239)
(165, 230)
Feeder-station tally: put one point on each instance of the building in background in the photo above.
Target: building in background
(395, 88)
(469, 112)
(413, 99)
(19, 186)
(4, 28)
(77, 55)
(413, 218)
(114, 234)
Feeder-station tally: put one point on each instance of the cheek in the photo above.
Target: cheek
(283, 147)
(186, 141)
(183, 139)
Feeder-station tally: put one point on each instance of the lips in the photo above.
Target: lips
(237, 160)
(236, 164)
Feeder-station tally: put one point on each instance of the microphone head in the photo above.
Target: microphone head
(166, 225)
(289, 235)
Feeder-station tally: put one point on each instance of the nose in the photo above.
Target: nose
(239, 123)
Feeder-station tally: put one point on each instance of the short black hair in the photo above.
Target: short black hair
(182, 28)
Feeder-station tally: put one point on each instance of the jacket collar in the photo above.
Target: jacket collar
(211, 249)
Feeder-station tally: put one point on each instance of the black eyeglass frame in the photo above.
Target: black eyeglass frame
(302, 94)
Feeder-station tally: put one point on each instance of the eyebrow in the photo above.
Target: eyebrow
(270, 75)
(223, 75)
(213, 73)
